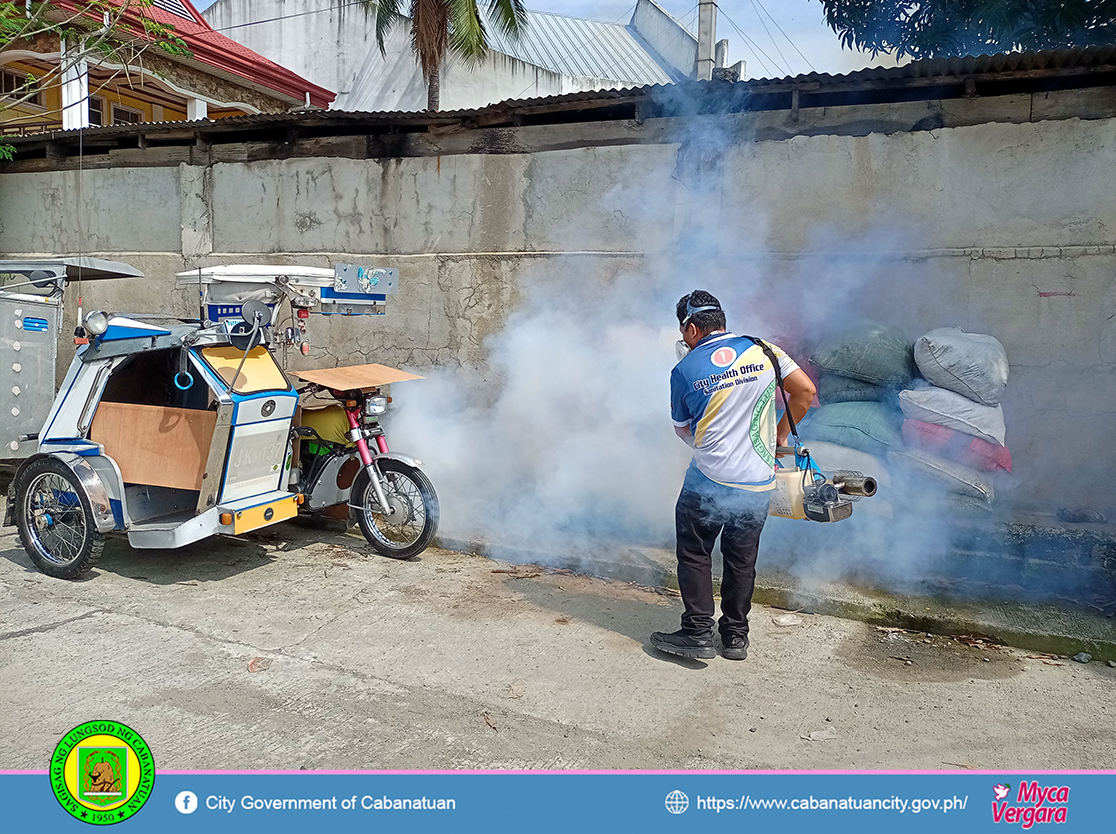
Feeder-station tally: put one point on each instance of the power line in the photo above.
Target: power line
(770, 36)
(755, 46)
(785, 35)
(289, 16)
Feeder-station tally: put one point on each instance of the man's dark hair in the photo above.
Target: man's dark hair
(707, 320)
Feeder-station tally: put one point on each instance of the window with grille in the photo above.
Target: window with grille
(125, 115)
(19, 85)
(174, 7)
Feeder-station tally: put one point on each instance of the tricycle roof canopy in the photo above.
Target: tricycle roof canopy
(256, 274)
(71, 269)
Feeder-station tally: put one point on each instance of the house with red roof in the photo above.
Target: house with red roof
(49, 83)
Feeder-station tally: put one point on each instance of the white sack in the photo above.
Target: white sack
(959, 479)
(949, 409)
(970, 364)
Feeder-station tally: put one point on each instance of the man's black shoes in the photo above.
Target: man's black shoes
(734, 648)
(684, 645)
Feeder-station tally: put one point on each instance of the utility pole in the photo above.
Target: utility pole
(707, 37)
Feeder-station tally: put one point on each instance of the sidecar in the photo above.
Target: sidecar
(166, 432)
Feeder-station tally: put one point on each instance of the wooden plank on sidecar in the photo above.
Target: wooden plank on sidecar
(155, 445)
(353, 377)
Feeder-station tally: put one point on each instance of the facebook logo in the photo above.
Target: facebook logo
(186, 802)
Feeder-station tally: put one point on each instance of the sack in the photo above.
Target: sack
(949, 409)
(832, 458)
(869, 427)
(970, 364)
(963, 448)
(871, 352)
(833, 388)
(958, 478)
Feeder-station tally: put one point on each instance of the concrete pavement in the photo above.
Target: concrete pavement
(455, 661)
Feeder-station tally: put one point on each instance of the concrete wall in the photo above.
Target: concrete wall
(1007, 229)
(665, 35)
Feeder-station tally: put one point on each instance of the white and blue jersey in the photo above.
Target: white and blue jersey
(724, 392)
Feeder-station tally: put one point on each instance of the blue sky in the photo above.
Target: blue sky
(766, 51)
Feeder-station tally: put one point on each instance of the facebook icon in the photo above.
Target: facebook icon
(186, 802)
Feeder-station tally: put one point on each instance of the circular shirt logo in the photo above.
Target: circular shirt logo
(723, 357)
(102, 772)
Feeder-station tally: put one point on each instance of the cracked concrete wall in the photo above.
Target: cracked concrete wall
(1008, 229)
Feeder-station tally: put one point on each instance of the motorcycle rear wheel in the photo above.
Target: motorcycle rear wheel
(410, 529)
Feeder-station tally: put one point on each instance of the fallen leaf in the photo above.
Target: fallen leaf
(259, 664)
(562, 620)
(488, 721)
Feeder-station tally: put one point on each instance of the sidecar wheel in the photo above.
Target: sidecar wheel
(55, 520)
(410, 529)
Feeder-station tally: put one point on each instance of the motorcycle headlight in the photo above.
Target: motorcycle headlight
(97, 322)
(375, 406)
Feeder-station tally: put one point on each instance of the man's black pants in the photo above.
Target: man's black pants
(738, 517)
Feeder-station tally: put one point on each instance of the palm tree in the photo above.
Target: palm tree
(441, 26)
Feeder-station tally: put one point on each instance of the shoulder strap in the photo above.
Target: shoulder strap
(770, 354)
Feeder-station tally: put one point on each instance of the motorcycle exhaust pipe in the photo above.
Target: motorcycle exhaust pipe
(862, 485)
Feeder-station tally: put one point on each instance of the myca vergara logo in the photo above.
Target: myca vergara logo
(102, 772)
(1033, 804)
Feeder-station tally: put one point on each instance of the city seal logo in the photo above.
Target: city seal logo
(102, 772)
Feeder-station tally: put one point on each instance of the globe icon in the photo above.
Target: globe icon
(677, 802)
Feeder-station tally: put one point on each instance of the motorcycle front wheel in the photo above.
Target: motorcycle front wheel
(408, 530)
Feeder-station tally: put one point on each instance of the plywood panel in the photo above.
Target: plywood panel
(353, 377)
(155, 445)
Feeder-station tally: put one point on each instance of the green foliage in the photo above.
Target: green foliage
(938, 28)
(7, 152)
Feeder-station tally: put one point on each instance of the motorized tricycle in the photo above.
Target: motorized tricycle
(172, 431)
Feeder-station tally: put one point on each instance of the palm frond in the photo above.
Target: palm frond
(510, 16)
(387, 15)
(468, 39)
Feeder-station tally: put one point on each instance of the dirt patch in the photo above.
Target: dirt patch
(901, 655)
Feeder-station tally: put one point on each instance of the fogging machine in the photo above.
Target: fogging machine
(804, 492)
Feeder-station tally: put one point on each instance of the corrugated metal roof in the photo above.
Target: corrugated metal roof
(1019, 64)
(1053, 59)
(575, 46)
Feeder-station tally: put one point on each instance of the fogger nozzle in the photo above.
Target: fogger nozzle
(862, 485)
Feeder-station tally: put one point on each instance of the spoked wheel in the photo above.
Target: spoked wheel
(55, 520)
(410, 528)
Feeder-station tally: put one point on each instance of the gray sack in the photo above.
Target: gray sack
(970, 364)
(874, 353)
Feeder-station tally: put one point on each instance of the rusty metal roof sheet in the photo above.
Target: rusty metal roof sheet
(1048, 60)
(1024, 64)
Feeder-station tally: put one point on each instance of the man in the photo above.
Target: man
(723, 399)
